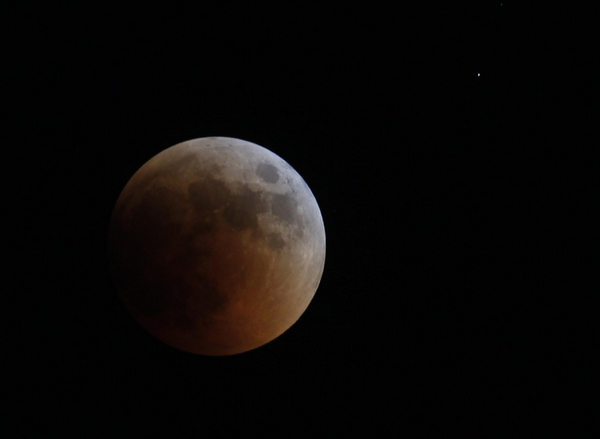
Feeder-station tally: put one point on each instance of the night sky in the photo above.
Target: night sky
(450, 152)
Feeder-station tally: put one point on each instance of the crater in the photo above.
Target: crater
(267, 172)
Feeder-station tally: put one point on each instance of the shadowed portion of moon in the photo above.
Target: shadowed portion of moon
(217, 246)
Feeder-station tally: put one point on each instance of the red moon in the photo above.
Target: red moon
(216, 246)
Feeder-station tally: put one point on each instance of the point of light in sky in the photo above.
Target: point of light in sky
(478, 74)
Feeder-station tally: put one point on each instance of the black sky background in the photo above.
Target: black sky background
(455, 207)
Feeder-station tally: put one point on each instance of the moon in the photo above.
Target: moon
(216, 246)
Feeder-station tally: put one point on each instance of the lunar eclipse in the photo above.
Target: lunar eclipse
(216, 246)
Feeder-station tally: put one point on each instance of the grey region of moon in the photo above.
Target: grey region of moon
(216, 246)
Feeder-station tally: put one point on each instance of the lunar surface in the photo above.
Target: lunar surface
(216, 246)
